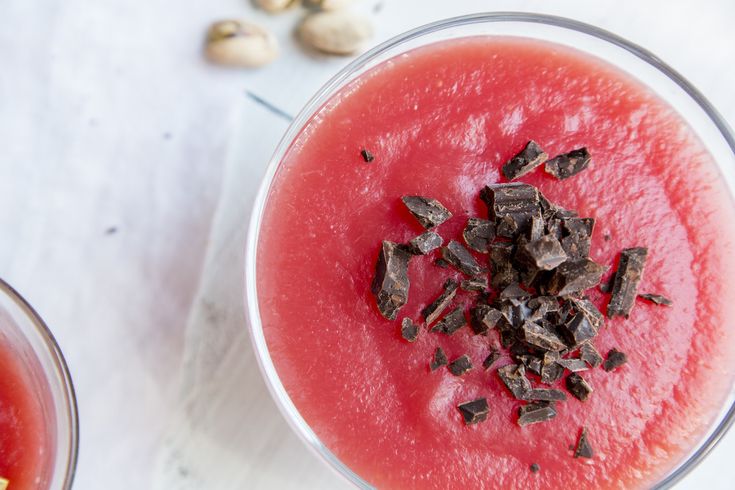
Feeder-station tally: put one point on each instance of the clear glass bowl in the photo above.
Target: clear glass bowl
(41, 359)
(641, 64)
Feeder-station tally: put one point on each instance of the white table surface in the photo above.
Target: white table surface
(127, 170)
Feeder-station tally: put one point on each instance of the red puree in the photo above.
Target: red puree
(441, 121)
(24, 440)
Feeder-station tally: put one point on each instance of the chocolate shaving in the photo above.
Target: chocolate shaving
(574, 365)
(490, 359)
(614, 360)
(478, 233)
(439, 359)
(456, 254)
(568, 164)
(475, 411)
(589, 354)
(536, 412)
(575, 277)
(514, 377)
(584, 449)
(483, 318)
(578, 387)
(627, 278)
(409, 330)
(546, 394)
(512, 207)
(425, 243)
(542, 338)
(545, 254)
(460, 365)
(478, 284)
(437, 307)
(656, 298)
(367, 155)
(525, 161)
(452, 321)
(429, 212)
(390, 284)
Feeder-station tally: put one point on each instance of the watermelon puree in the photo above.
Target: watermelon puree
(25, 445)
(441, 120)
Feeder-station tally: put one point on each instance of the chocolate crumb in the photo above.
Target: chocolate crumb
(439, 359)
(535, 468)
(429, 212)
(536, 412)
(452, 321)
(475, 411)
(456, 254)
(627, 278)
(578, 387)
(490, 359)
(425, 243)
(437, 307)
(525, 161)
(656, 298)
(478, 233)
(584, 449)
(390, 284)
(568, 164)
(367, 155)
(614, 360)
(460, 366)
(409, 330)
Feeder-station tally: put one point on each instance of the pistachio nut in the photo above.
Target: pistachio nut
(238, 43)
(327, 4)
(274, 6)
(336, 32)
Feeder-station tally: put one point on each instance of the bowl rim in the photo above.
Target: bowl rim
(61, 369)
(316, 102)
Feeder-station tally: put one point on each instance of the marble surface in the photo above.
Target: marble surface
(128, 166)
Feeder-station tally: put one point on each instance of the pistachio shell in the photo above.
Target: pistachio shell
(336, 32)
(274, 6)
(238, 43)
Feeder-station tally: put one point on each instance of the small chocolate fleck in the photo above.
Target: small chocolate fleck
(111, 230)
(574, 365)
(614, 360)
(478, 233)
(536, 412)
(546, 394)
(437, 307)
(490, 359)
(425, 243)
(535, 468)
(542, 338)
(390, 284)
(578, 387)
(429, 212)
(456, 254)
(409, 330)
(475, 411)
(514, 377)
(439, 359)
(544, 254)
(478, 284)
(575, 277)
(589, 354)
(525, 161)
(568, 164)
(584, 449)
(627, 278)
(367, 155)
(460, 366)
(452, 321)
(656, 298)
(484, 318)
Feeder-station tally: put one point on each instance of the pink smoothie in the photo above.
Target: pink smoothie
(441, 121)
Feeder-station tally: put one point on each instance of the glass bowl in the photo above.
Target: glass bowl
(626, 56)
(48, 376)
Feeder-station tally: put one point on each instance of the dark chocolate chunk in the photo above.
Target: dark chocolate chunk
(439, 359)
(545, 254)
(575, 277)
(514, 291)
(574, 365)
(568, 164)
(460, 365)
(484, 318)
(452, 321)
(429, 212)
(541, 306)
(656, 298)
(578, 243)
(627, 278)
(425, 243)
(536, 412)
(614, 360)
(589, 310)
(390, 284)
(435, 309)
(409, 330)
(577, 330)
(491, 358)
(589, 354)
(550, 370)
(502, 271)
(578, 387)
(531, 362)
(456, 254)
(537, 229)
(535, 468)
(512, 207)
(542, 338)
(478, 233)
(474, 411)
(441, 263)
(584, 449)
(478, 283)
(514, 377)
(367, 155)
(546, 394)
(530, 157)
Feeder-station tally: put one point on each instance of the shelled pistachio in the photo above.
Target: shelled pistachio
(240, 43)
